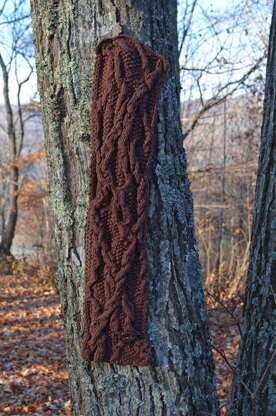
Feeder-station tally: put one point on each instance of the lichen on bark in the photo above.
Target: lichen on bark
(181, 380)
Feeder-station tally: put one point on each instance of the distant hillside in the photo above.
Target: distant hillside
(234, 126)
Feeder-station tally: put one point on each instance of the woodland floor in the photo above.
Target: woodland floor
(224, 316)
(33, 378)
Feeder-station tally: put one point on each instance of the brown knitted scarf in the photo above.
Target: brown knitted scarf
(128, 77)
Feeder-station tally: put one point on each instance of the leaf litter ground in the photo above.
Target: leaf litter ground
(33, 378)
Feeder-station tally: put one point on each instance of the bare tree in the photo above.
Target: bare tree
(254, 378)
(223, 68)
(222, 53)
(14, 48)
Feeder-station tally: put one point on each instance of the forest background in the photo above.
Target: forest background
(222, 53)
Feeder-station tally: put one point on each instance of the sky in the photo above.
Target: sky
(204, 52)
(226, 36)
(18, 34)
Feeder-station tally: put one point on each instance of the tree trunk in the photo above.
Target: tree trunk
(181, 380)
(254, 384)
(9, 228)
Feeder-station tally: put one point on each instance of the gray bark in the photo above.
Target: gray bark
(254, 388)
(181, 380)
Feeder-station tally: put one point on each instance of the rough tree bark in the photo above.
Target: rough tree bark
(181, 380)
(254, 388)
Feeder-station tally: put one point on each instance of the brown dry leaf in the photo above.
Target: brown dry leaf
(67, 408)
(41, 369)
(31, 408)
(225, 337)
(22, 352)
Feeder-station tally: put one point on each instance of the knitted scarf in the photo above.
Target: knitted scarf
(128, 77)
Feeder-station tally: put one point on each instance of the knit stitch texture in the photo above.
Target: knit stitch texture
(127, 80)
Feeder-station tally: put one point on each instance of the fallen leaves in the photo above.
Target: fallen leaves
(33, 378)
(223, 316)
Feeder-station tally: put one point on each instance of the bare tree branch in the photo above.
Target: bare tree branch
(216, 99)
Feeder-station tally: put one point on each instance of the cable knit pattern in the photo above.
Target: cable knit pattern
(128, 77)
